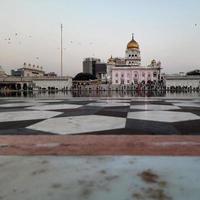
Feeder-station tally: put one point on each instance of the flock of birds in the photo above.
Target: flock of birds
(16, 37)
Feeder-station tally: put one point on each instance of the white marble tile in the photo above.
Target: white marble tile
(26, 115)
(79, 124)
(108, 104)
(55, 107)
(163, 116)
(28, 100)
(83, 99)
(47, 101)
(178, 101)
(154, 107)
(12, 105)
(16, 100)
(114, 101)
(146, 99)
(188, 104)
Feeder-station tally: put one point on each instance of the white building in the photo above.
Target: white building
(128, 70)
(182, 81)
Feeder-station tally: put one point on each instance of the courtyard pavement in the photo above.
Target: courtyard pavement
(100, 148)
(106, 116)
(100, 116)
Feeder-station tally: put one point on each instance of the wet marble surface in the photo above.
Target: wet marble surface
(20, 104)
(26, 115)
(188, 104)
(154, 107)
(55, 107)
(163, 116)
(79, 124)
(109, 104)
(99, 177)
(148, 115)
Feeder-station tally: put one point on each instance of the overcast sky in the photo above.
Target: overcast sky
(167, 30)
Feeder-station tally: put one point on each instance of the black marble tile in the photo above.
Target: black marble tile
(188, 127)
(23, 131)
(151, 127)
(17, 124)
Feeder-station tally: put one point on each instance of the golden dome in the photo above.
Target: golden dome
(133, 44)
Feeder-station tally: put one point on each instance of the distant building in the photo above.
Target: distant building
(194, 73)
(101, 71)
(2, 72)
(182, 82)
(50, 74)
(89, 65)
(95, 67)
(128, 70)
(28, 71)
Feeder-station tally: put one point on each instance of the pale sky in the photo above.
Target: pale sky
(167, 30)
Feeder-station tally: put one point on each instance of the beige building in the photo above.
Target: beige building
(28, 71)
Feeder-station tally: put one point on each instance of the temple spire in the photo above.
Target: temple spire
(132, 36)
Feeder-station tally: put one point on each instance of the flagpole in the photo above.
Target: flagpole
(61, 53)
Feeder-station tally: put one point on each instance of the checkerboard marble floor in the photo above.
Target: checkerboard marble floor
(131, 116)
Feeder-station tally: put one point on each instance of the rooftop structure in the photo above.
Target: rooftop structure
(2, 72)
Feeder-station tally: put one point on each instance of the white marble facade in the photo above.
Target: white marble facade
(128, 70)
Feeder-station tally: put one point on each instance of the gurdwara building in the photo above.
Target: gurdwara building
(129, 71)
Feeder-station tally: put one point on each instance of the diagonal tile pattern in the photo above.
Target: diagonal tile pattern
(26, 115)
(104, 115)
(79, 124)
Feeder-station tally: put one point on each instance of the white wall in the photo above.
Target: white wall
(187, 82)
(60, 84)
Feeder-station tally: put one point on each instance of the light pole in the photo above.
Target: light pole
(61, 53)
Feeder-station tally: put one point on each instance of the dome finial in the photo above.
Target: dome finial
(132, 36)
